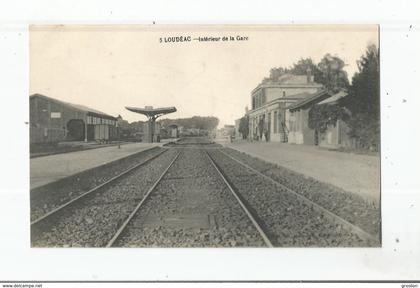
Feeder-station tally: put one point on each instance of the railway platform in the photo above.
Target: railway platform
(47, 169)
(355, 173)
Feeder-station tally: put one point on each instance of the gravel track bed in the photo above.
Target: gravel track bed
(192, 186)
(93, 222)
(46, 198)
(288, 221)
(194, 142)
(349, 206)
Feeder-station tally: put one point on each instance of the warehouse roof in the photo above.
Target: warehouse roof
(78, 107)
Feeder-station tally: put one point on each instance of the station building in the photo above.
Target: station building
(269, 116)
(53, 121)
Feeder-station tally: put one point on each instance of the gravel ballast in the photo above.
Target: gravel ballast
(93, 221)
(347, 205)
(288, 221)
(48, 197)
(191, 191)
(192, 206)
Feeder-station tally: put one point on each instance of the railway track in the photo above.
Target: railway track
(195, 195)
(291, 219)
(49, 197)
(229, 221)
(82, 196)
(332, 216)
(89, 219)
(351, 207)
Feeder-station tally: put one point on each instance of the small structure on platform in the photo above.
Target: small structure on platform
(335, 136)
(152, 114)
(173, 131)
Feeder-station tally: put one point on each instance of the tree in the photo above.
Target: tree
(244, 127)
(332, 75)
(123, 124)
(329, 72)
(364, 100)
(321, 116)
(302, 66)
(364, 91)
(275, 73)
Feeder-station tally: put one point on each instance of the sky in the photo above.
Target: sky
(110, 67)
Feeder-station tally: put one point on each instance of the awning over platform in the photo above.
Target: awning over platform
(150, 112)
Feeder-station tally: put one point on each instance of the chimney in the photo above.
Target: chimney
(308, 75)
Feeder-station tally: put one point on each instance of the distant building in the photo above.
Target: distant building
(229, 129)
(53, 121)
(269, 117)
(238, 135)
(173, 131)
(226, 131)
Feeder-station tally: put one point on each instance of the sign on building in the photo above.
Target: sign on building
(55, 114)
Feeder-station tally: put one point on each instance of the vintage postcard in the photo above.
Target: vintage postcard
(205, 136)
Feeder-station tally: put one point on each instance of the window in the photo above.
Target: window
(284, 93)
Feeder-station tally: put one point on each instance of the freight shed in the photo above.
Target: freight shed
(53, 121)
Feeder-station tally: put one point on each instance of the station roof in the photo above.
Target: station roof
(334, 98)
(72, 106)
(318, 96)
(150, 111)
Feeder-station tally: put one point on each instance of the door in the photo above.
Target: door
(76, 130)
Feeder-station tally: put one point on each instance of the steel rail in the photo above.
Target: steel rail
(145, 197)
(353, 228)
(72, 201)
(241, 203)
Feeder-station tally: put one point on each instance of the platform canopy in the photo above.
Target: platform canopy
(151, 112)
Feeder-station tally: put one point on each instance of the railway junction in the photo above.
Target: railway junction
(194, 192)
